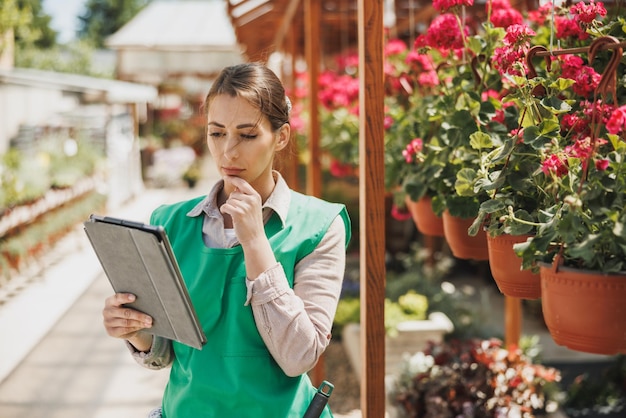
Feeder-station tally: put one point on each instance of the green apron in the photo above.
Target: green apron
(234, 375)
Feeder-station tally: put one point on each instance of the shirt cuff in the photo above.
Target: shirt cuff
(157, 358)
(269, 285)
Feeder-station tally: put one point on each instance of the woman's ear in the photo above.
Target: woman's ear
(284, 136)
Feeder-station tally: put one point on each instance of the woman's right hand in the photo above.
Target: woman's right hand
(126, 323)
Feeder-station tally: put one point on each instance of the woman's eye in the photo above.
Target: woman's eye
(216, 134)
(248, 136)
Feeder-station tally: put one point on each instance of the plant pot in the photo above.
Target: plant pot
(461, 244)
(426, 221)
(584, 310)
(412, 337)
(506, 269)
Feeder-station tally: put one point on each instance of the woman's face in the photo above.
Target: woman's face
(242, 143)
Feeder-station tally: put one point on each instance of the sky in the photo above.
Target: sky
(64, 15)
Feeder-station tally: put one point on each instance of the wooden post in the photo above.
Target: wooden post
(292, 163)
(372, 207)
(314, 171)
(312, 52)
(512, 321)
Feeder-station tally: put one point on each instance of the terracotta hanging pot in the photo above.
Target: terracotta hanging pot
(584, 310)
(426, 221)
(506, 269)
(462, 244)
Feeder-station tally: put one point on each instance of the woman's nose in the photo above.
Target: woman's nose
(231, 150)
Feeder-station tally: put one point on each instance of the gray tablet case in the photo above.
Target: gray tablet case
(137, 258)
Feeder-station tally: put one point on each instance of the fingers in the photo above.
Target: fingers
(239, 185)
(121, 321)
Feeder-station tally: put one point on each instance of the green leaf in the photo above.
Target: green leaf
(491, 206)
(539, 136)
(556, 105)
(475, 44)
(476, 226)
(464, 184)
(480, 140)
(562, 84)
(520, 228)
(584, 249)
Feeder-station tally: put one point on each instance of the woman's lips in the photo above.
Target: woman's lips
(232, 171)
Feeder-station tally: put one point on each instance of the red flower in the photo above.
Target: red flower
(443, 33)
(587, 13)
(413, 148)
(570, 65)
(509, 60)
(575, 124)
(602, 164)
(388, 122)
(400, 214)
(519, 35)
(587, 80)
(540, 15)
(339, 169)
(395, 47)
(554, 164)
(569, 28)
(445, 5)
(503, 18)
(617, 121)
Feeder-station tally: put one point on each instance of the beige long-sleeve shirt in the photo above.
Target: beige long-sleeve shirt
(295, 324)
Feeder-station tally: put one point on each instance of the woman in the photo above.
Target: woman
(263, 265)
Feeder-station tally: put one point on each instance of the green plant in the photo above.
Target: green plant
(465, 115)
(409, 307)
(25, 243)
(602, 393)
(193, 173)
(521, 176)
(576, 123)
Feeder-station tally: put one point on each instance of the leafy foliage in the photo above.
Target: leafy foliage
(474, 378)
(105, 17)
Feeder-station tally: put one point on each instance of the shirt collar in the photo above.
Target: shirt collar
(278, 201)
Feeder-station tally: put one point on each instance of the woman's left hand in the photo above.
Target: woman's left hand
(245, 209)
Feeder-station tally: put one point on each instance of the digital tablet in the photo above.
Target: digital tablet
(137, 258)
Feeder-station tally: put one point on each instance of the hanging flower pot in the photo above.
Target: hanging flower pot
(462, 244)
(506, 269)
(426, 221)
(584, 310)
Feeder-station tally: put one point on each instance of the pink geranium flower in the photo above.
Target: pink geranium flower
(617, 122)
(443, 33)
(586, 13)
(503, 18)
(445, 5)
(554, 164)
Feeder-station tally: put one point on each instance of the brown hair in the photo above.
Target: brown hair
(262, 88)
(257, 84)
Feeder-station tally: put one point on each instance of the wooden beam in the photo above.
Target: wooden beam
(312, 47)
(372, 206)
(286, 24)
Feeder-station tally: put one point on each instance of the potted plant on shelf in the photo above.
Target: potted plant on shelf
(511, 177)
(412, 83)
(466, 120)
(579, 243)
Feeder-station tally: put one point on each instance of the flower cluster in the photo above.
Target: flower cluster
(474, 378)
